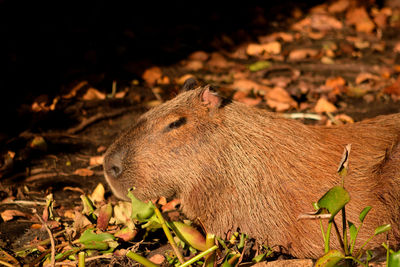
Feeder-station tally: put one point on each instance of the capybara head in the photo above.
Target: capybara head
(154, 156)
(235, 166)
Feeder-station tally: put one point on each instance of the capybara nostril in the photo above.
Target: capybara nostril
(113, 165)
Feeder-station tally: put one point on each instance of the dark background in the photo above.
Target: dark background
(47, 46)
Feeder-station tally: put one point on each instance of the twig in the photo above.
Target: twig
(6, 263)
(53, 246)
(302, 116)
(44, 175)
(99, 116)
(24, 203)
(9, 256)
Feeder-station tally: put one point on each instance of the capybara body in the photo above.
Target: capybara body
(235, 166)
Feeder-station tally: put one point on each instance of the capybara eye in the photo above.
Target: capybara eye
(176, 124)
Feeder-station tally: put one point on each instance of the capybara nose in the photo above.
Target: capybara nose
(113, 164)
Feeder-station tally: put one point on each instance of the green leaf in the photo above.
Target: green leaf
(141, 211)
(394, 259)
(189, 235)
(334, 200)
(259, 65)
(364, 213)
(330, 259)
(259, 258)
(383, 228)
(102, 241)
(231, 260)
(353, 231)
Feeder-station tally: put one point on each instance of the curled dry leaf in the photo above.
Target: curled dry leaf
(365, 76)
(272, 48)
(299, 54)
(279, 99)
(8, 215)
(324, 105)
(152, 75)
(93, 94)
(360, 19)
(84, 172)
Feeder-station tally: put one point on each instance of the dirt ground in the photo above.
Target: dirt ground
(339, 60)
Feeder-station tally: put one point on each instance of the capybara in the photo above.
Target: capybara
(239, 167)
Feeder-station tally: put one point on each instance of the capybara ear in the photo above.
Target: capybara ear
(189, 84)
(210, 98)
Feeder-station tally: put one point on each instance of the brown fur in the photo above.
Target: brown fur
(235, 166)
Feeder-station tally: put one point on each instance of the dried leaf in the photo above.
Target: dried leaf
(93, 94)
(8, 215)
(393, 89)
(171, 205)
(84, 172)
(152, 75)
(98, 193)
(364, 76)
(199, 55)
(157, 259)
(324, 105)
(181, 80)
(96, 160)
(299, 54)
(338, 6)
(324, 22)
(396, 48)
(360, 18)
(75, 89)
(334, 82)
(272, 48)
(279, 99)
(217, 61)
(194, 65)
(247, 85)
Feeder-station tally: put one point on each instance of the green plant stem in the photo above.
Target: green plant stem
(327, 236)
(210, 259)
(140, 259)
(199, 256)
(353, 243)
(322, 230)
(169, 235)
(365, 243)
(81, 259)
